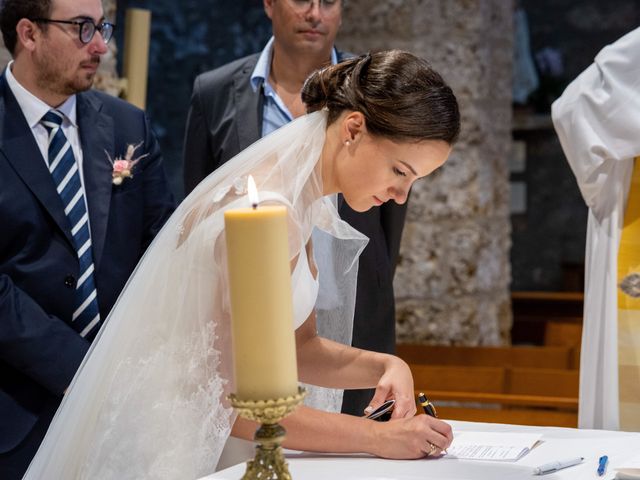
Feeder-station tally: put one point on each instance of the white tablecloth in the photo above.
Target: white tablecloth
(556, 444)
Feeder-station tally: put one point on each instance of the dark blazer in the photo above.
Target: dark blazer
(39, 351)
(225, 117)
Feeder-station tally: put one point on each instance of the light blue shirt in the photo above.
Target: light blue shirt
(275, 113)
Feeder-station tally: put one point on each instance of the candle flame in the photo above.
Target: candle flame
(253, 191)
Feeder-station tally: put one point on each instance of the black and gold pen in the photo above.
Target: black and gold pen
(427, 406)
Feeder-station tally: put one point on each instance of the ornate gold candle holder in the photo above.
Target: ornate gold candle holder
(268, 464)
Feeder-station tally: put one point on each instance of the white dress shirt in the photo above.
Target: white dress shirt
(34, 109)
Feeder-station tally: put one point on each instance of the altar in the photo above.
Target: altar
(555, 444)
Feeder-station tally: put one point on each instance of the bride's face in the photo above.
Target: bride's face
(375, 170)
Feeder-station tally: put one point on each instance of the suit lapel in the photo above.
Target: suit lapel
(22, 152)
(248, 106)
(97, 141)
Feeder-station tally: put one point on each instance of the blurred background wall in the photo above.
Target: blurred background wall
(452, 282)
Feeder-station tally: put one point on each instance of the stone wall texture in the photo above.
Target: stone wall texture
(452, 282)
(107, 79)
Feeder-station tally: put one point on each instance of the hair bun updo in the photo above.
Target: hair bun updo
(400, 95)
(335, 87)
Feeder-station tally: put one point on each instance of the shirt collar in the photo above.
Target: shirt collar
(32, 107)
(263, 67)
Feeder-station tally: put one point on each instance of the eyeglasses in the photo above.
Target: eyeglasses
(87, 28)
(304, 5)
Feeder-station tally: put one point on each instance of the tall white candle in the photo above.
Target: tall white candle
(261, 309)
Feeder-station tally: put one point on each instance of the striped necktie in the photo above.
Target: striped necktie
(64, 170)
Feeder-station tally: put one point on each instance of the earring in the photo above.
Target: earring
(347, 143)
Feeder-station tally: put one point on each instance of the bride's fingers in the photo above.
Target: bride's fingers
(404, 408)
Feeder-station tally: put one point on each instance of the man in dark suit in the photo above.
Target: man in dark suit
(236, 104)
(74, 223)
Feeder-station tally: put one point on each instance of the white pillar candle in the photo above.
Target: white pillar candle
(261, 308)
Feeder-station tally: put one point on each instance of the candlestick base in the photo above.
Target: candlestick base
(269, 463)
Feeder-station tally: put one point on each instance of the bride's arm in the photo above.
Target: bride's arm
(327, 363)
(322, 361)
(318, 431)
(330, 364)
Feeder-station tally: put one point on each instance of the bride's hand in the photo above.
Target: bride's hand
(396, 382)
(409, 438)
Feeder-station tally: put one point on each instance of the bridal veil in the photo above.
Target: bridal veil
(149, 400)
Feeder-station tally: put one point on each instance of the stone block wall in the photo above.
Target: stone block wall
(452, 282)
(107, 79)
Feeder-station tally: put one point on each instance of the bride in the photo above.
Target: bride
(149, 400)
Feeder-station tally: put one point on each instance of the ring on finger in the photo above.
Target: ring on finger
(432, 448)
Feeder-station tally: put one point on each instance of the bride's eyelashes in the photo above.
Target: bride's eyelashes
(399, 172)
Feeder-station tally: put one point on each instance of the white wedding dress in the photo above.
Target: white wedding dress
(149, 401)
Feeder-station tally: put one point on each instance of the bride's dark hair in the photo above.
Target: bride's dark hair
(400, 95)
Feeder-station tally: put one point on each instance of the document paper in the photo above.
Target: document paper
(493, 446)
(629, 469)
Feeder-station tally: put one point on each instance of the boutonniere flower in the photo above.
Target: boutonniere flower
(123, 167)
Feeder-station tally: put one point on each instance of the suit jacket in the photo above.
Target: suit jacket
(39, 350)
(225, 117)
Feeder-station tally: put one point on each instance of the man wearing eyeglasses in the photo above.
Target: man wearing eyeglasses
(71, 233)
(236, 104)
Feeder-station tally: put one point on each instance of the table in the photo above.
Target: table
(556, 444)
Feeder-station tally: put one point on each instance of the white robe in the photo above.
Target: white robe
(597, 119)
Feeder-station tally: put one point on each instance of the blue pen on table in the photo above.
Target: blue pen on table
(602, 465)
(555, 466)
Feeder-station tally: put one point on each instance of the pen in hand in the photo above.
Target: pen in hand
(427, 406)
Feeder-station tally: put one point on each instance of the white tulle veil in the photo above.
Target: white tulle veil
(149, 398)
